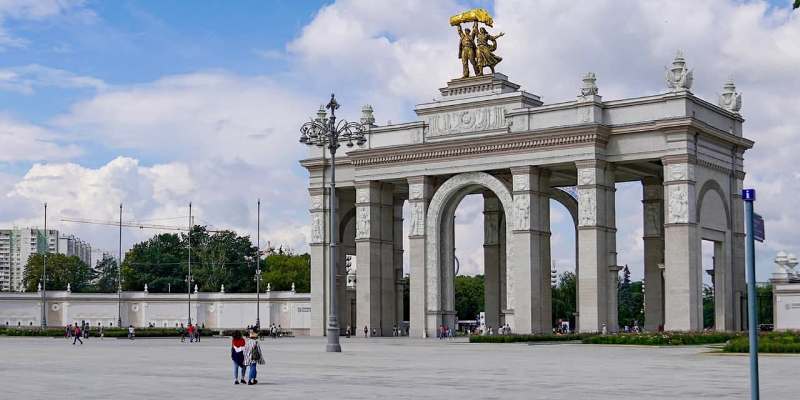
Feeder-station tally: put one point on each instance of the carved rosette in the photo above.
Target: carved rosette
(362, 195)
(521, 182)
(316, 202)
(587, 207)
(678, 204)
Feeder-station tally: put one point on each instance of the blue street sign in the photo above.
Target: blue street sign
(749, 195)
(758, 227)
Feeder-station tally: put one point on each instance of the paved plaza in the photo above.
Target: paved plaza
(388, 368)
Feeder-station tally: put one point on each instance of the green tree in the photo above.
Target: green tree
(564, 298)
(106, 275)
(160, 262)
(61, 270)
(282, 267)
(469, 296)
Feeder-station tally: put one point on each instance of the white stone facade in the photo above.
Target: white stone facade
(486, 136)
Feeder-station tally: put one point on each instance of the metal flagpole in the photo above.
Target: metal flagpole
(258, 268)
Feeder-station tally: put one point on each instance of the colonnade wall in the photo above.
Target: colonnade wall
(290, 310)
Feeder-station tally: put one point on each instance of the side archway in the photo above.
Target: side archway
(439, 290)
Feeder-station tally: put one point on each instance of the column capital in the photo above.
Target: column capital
(591, 163)
(678, 159)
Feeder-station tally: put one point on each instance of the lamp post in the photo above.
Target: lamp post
(258, 267)
(327, 132)
(189, 279)
(44, 270)
(119, 272)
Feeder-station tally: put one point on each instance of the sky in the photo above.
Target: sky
(159, 103)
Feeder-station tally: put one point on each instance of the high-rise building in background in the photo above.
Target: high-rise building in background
(17, 245)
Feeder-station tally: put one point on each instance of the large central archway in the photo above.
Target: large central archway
(440, 290)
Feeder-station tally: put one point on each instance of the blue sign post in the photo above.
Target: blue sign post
(749, 196)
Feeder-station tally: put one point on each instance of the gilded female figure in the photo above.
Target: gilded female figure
(486, 45)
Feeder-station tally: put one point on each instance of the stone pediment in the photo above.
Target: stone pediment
(474, 105)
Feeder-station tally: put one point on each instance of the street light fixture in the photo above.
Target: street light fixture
(327, 132)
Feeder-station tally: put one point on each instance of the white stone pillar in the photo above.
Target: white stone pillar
(398, 258)
(682, 272)
(491, 259)
(368, 255)
(593, 256)
(388, 301)
(611, 248)
(420, 191)
(318, 245)
(531, 245)
(653, 215)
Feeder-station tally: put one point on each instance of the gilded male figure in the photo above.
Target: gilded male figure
(466, 49)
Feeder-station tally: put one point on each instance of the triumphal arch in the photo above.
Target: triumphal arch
(484, 135)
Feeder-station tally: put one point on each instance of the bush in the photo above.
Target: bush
(663, 338)
(773, 342)
(527, 338)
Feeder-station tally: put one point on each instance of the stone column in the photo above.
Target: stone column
(420, 191)
(613, 300)
(531, 247)
(318, 245)
(368, 255)
(611, 248)
(683, 278)
(491, 258)
(398, 258)
(593, 256)
(653, 214)
(388, 300)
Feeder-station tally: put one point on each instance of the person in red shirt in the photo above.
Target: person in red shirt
(237, 355)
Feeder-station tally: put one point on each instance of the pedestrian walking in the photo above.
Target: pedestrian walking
(237, 356)
(252, 357)
(76, 334)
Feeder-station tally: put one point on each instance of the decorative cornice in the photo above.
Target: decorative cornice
(509, 143)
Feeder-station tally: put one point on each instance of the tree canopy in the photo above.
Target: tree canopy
(219, 258)
(61, 270)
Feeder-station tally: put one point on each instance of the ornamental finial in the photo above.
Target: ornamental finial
(730, 99)
(679, 77)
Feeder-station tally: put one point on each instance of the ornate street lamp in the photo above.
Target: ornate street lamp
(327, 132)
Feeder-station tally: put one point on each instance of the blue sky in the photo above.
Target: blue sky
(164, 102)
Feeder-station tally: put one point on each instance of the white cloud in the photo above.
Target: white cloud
(36, 10)
(26, 79)
(21, 141)
(382, 58)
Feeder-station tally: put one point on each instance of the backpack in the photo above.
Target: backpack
(255, 354)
